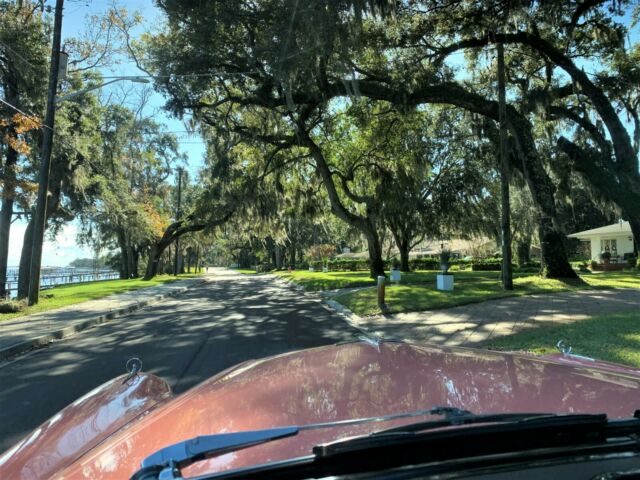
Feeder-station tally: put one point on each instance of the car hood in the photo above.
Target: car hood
(352, 381)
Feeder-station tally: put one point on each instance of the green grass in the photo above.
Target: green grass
(245, 271)
(614, 338)
(314, 281)
(417, 291)
(64, 295)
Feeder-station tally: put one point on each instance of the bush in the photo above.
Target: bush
(348, 264)
(424, 264)
(264, 267)
(631, 259)
(12, 306)
(486, 266)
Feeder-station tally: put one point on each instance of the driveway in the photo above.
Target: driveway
(228, 319)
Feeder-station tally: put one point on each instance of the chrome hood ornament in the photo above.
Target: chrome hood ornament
(133, 367)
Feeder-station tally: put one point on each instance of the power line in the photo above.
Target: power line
(32, 117)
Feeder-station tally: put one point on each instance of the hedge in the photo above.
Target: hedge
(486, 266)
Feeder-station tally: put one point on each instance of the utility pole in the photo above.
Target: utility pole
(40, 217)
(178, 215)
(505, 223)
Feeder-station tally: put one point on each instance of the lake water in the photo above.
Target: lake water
(52, 276)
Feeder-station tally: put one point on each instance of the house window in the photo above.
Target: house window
(610, 245)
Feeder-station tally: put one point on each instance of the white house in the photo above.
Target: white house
(616, 239)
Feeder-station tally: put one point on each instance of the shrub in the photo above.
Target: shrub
(348, 264)
(631, 259)
(264, 267)
(530, 265)
(424, 264)
(486, 266)
(12, 306)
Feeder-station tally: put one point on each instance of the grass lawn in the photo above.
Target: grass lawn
(245, 271)
(614, 337)
(64, 295)
(314, 281)
(417, 290)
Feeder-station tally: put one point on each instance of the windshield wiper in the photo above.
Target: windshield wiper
(501, 439)
(422, 440)
(167, 462)
(535, 423)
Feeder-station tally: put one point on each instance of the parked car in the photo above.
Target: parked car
(359, 410)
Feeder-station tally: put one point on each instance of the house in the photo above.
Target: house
(616, 239)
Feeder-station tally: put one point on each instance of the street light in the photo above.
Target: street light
(45, 163)
(95, 87)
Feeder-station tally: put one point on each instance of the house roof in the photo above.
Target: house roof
(617, 228)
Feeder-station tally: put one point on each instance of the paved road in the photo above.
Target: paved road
(185, 340)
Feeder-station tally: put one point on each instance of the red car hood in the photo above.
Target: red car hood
(345, 382)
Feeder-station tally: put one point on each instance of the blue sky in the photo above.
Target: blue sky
(64, 248)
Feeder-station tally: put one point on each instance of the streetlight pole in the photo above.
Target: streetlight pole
(45, 161)
(505, 221)
(178, 215)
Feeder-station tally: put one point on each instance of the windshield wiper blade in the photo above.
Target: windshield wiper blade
(462, 419)
(167, 462)
(533, 423)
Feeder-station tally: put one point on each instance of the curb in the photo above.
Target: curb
(45, 339)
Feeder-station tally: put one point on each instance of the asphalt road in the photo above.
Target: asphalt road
(186, 339)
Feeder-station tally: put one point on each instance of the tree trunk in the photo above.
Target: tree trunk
(376, 264)
(8, 195)
(153, 262)
(25, 261)
(505, 210)
(403, 244)
(132, 262)
(635, 229)
(365, 224)
(523, 250)
(124, 254)
(292, 256)
(278, 256)
(554, 256)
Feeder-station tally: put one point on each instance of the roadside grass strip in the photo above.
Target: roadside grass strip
(64, 295)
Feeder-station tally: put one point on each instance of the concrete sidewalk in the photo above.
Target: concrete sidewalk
(473, 324)
(21, 334)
